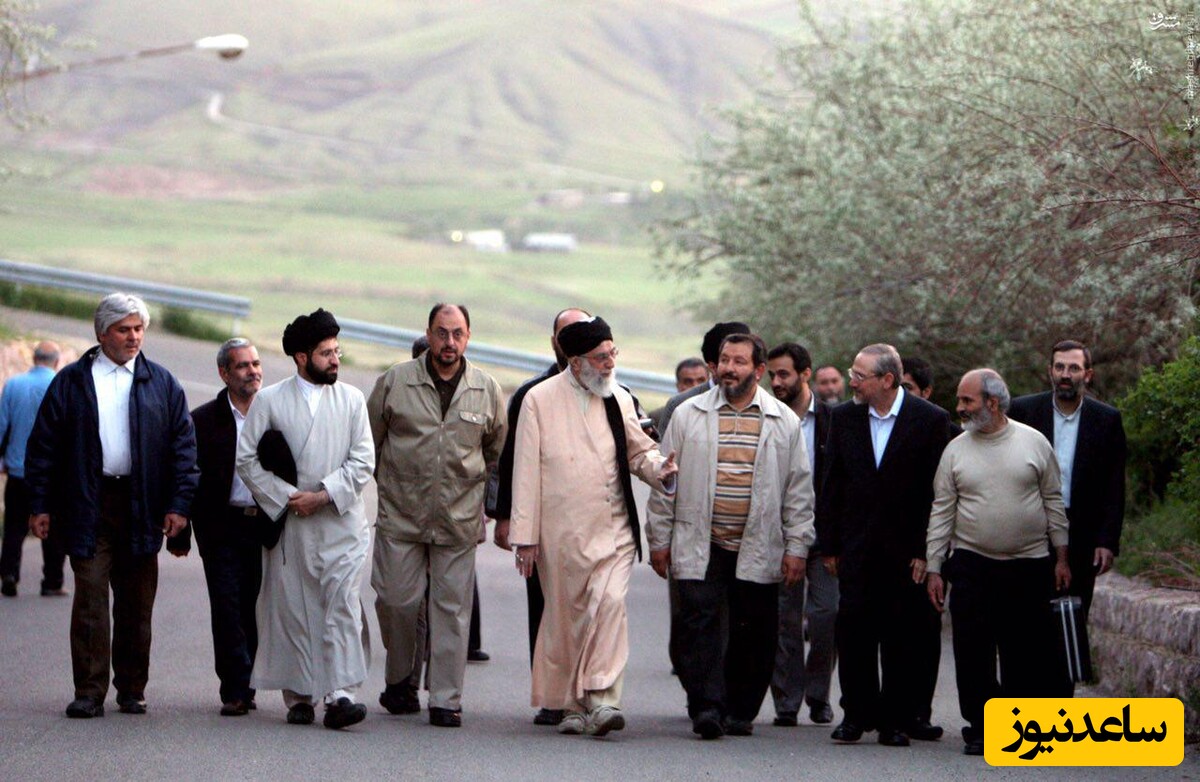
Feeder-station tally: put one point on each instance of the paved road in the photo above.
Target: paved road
(183, 738)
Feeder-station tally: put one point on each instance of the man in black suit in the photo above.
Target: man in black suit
(798, 679)
(1089, 441)
(227, 521)
(872, 516)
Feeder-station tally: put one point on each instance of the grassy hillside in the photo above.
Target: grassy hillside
(392, 91)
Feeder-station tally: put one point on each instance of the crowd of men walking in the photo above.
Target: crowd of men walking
(779, 518)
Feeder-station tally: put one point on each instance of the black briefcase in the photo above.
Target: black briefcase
(1075, 653)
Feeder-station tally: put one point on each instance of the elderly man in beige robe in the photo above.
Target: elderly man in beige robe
(573, 514)
(309, 612)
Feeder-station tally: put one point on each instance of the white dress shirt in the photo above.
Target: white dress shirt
(882, 425)
(1066, 435)
(808, 425)
(113, 384)
(239, 494)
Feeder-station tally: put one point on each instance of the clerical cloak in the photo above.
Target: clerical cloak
(568, 499)
(309, 612)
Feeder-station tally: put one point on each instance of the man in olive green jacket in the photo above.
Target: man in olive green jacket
(438, 423)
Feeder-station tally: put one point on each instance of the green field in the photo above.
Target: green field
(288, 257)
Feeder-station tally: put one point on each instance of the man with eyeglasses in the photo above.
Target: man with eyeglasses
(438, 424)
(310, 629)
(1089, 443)
(872, 515)
(500, 501)
(574, 518)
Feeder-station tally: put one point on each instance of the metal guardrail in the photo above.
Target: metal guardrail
(170, 295)
(493, 355)
(239, 307)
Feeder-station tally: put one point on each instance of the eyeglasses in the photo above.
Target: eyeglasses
(330, 353)
(855, 377)
(602, 358)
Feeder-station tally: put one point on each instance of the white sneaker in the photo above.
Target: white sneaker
(573, 724)
(605, 719)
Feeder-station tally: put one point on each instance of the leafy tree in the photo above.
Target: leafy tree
(971, 181)
(22, 42)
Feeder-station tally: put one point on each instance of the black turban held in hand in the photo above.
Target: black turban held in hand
(307, 331)
(583, 336)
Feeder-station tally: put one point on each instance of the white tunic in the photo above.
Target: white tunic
(310, 615)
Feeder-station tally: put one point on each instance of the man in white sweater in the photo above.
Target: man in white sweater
(998, 505)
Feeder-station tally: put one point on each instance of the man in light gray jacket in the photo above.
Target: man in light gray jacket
(740, 522)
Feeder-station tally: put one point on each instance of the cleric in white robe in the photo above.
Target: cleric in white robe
(578, 441)
(310, 615)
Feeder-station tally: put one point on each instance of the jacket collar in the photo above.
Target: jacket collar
(141, 368)
(714, 398)
(471, 378)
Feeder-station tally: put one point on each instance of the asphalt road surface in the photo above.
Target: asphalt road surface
(183, 738)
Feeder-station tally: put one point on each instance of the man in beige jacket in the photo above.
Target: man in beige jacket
(438, 423)
(740, 522)
(573, 514)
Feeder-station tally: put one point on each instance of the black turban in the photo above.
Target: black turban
(711, 347)
(307, 331)
(583, 336)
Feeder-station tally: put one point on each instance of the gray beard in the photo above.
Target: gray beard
(591, 379)
(977, 421)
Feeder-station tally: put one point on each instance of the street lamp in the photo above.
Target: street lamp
(227, 47)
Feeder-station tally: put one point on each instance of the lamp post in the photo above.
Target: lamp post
(227, 47)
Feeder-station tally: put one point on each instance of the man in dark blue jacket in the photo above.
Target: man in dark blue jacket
(111, 464)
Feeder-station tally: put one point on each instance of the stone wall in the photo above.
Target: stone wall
(1146, 642)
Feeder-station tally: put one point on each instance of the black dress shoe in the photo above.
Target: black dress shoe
(548, 717)
(847, 733)
(301, 714)
(344, 713)
(445, 718)
(786, 719)
(921, 730)
(736, 727)
(820, 713)
(892, 738)
(400, 698)
(707, 725)
(85, 708)
(973, 747)
(235, 708)
(478, 656)
(8, 588)
(131, 704)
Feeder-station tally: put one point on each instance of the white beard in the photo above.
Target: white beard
(591, 379)
(980, 420)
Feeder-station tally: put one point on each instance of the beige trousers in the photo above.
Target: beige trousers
(399, 576)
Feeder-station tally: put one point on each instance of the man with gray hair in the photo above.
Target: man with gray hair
(997, 503)
(111, 468)
(226, 519)
(18, 410)
(872, 514)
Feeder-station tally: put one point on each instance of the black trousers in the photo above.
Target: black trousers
(885, 633)
(926, 660)
(133, 580)
(730, 675)
(1000, 607)
(474, 635)
(16, 527)
(233, 572)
